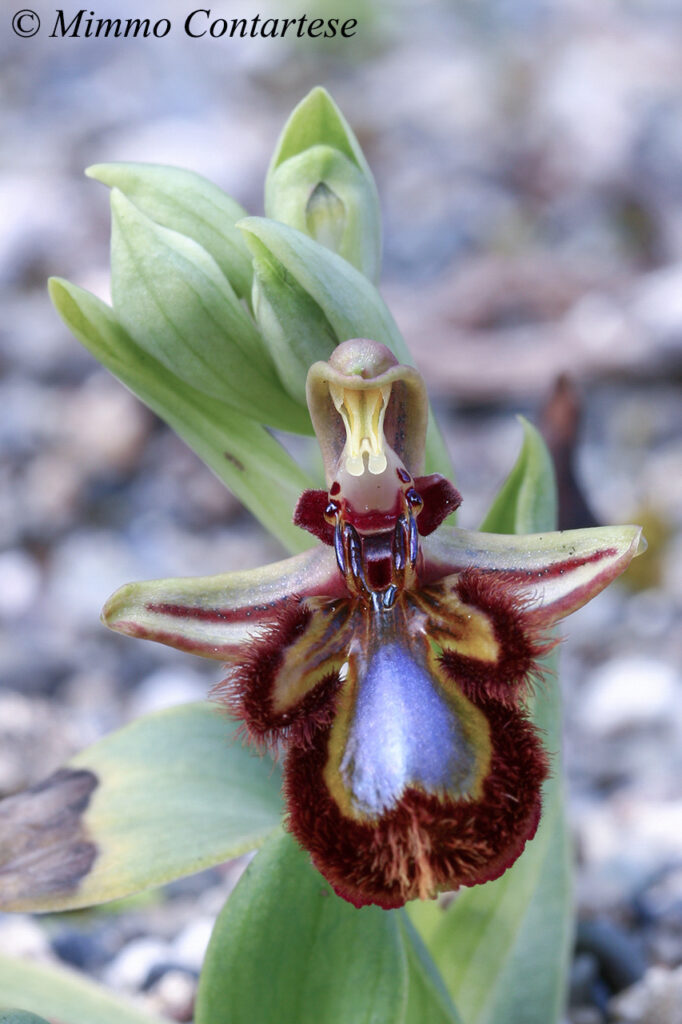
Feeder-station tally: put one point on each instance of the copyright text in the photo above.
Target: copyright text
(198, 24)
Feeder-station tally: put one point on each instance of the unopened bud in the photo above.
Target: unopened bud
(320, 183)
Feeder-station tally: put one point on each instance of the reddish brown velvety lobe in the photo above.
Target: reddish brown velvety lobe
(425, 839)
(440, 500)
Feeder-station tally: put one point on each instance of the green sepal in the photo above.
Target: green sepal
(186, 202)
(240, 451)
(168, 795)
(285, 948)
(349, 302)
(317, 120)
(319, 182)
(63, 995)
(503, 948)
(174, 301)
(220, 616)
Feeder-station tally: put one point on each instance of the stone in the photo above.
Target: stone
(166, 687)
(173, 995)
(630, 693)
(656, 999)
(21, 582)
(190, 947)
(132, 965)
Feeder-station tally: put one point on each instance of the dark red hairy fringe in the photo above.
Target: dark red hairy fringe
(426, 844)
(521, 641)
(246, 692)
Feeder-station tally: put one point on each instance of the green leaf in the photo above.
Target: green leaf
(239, 451)
(174, 301)
(20, 1017)
(503, 948)
(186, 202)
(285, 948)
(320, 183)
(350, 303)
(164, 797)
(428, 1001)
(527, 500)
(62, 995)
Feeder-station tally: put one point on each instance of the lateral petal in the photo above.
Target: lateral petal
(554, 573)
(212, 616)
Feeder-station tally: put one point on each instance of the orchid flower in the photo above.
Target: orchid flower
(391, 662)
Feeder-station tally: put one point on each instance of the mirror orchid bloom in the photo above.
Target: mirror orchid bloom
(390, 663)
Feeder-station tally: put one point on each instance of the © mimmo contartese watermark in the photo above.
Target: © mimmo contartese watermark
(197, 24)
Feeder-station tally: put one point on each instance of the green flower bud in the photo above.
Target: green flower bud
(320, 183)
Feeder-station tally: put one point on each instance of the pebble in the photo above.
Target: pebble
(36, 736)
(88, 949)
(630, 693)
(20, 936)
(656, 999)
(167, 687)
(657, 304)
(133, 964)
(173, 995)
(104, 426)
(531, 180)
(620, 958)
(20, 583)
(189, 948)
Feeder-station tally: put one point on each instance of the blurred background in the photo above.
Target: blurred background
(528, 155)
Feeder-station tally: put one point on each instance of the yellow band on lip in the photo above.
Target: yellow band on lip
(362, 412)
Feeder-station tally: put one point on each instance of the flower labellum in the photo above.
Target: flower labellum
(391, 661)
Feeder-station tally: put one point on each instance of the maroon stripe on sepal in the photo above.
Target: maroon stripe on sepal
(551, 572)
(247, 613)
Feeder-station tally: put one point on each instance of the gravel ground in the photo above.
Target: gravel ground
(529, 159)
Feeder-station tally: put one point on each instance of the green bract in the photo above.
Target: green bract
(187, 203)
(176, 303)
(240, 451)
